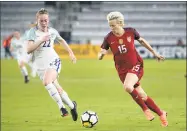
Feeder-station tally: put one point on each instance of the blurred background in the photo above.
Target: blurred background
(84, 22)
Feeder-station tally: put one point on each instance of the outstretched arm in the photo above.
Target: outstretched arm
(66, 46)
(101, 54)
(143, 42)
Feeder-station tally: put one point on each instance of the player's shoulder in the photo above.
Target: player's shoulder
(129, 29)
(108, 35)
(32, 30)
(52, 29)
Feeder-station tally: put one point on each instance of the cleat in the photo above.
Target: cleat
(64, 112)
(74, 111)
(149, 115)
(163, 119)
(26, 79)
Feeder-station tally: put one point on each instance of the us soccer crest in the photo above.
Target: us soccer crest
(120, 41)
(129, 38)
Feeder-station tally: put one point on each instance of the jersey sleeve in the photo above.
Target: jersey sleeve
(105, 44)
(58, 37)
(31, 35)
(136, 34)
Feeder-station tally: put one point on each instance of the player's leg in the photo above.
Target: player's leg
(33, 70)
(48, 77)
(23, 70)
(8, 51)
(56, 65)
(130, 80)
(65, 98)
(152, 106)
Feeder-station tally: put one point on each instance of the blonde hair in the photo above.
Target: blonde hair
(116, 16)
(41, 12)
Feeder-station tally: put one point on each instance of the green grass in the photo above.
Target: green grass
(95, 86)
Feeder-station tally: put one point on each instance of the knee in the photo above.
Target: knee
(128, 87)
(46, 82)
(21, 65)
(143, 95)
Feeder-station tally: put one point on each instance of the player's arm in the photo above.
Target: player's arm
(66, 47)
(143, 42)
(33, 45)
(101, 54)
(104, 48)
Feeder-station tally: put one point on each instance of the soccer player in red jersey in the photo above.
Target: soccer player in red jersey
(129, 64)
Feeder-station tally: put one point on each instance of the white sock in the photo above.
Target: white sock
(33, 70)
(24, 71)
(55, 95)
(66, 99)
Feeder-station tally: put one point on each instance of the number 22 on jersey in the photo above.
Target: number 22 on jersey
(47, 43)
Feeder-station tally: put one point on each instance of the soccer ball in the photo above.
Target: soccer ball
(89, 119)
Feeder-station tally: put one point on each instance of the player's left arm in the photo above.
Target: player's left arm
(62, 42)
(143, 42)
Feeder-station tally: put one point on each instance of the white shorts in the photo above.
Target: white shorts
(23, 58)
(54, 64)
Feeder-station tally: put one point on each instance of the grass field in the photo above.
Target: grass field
(95, 86)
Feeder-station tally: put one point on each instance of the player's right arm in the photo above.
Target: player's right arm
(34, 42)
(104, 48)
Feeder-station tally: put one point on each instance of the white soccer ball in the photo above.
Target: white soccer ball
(89, 119)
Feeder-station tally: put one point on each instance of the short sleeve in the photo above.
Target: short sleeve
(136, 34)
(31, 35)
(58, 37)
(105, 45)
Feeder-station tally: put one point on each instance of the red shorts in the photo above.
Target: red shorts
(137, 69)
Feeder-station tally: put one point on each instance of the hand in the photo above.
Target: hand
(73, 58)
(100, 56)
(159, 57)
(45, 37)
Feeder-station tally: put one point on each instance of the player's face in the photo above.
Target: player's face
(114, 26)
(17, 34)
(43, 21)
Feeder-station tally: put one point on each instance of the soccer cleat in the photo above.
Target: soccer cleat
(74, 111)
(149, 115)
(26, 79)
(64, 112)
(163, 119)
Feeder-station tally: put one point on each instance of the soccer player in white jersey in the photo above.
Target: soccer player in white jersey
(48, 64)
(18, 45)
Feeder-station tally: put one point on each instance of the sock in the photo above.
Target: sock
(138, 100)
(152, 106)
(24, 71)
(55, 95)
(33, 70)
(66, 99)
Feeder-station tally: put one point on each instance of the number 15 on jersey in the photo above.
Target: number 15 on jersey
(122, 49)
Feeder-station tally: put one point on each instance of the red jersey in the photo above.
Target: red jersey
(7, 41)
(123, 49)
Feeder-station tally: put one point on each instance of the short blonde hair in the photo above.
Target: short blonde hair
(41, 12)
(116, 15)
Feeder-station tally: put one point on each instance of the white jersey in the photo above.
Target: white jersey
(19, 47)
(45, 53)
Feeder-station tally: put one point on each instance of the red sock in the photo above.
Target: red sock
(138, 100)
(152, 106)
